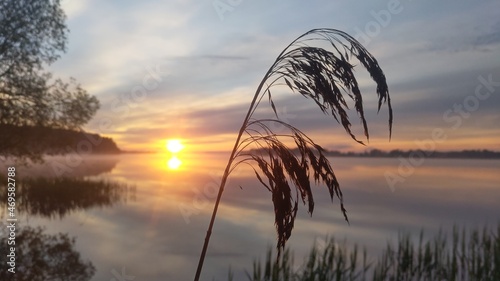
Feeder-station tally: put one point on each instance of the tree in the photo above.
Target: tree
(33, 34)
(40, 256)
(61, 196)
(327, 77)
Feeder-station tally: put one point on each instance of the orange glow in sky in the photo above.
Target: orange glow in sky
(174, 145)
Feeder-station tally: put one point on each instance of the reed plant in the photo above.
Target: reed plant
(284, 160)
(464, 255)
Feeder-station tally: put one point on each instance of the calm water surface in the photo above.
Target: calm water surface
(149, 221)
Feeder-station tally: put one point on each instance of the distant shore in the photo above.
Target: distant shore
(462, 154)
(39, 140)
(396, 153)
(375, 153)
(26, 140)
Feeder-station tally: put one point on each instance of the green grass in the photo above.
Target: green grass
(464, 255)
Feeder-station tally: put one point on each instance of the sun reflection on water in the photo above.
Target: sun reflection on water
(174, 163)
(174, 146)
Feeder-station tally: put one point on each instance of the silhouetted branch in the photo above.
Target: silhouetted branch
(325, 76)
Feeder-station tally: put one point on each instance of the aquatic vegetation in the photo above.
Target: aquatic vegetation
(465, 255)
(325, 75)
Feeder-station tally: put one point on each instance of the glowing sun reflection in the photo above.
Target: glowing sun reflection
(174, 163)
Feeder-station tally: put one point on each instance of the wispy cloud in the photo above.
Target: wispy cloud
(432, 54)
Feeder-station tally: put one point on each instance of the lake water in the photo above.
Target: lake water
(148, 221)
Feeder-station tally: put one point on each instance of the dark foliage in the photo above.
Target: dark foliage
(42, 257)
(327, 77)
(33, 34)
(35, 141)
(57, 197)
(466, 255)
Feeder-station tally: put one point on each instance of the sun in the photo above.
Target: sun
(174, 145)
(174, 163)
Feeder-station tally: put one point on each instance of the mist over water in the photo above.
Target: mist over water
(150, 220)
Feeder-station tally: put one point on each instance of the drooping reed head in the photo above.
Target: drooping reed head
(325, 75)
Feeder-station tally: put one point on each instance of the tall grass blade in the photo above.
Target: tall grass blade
(327, 77)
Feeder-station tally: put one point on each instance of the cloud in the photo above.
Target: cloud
(418, 106)
(74, 9)
(461, 32)
(214, 66)
(492, 37)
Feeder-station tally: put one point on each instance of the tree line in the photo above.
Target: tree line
(33, 35)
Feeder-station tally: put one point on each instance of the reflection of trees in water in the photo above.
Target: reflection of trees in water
(42, 257)
(71, 165)
(52, 197)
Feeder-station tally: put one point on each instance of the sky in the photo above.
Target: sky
(189, 69)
